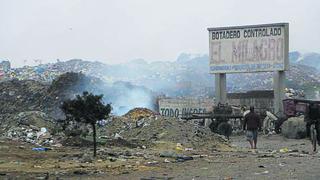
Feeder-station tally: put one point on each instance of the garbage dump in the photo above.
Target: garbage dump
(36, 142)
(30, 107)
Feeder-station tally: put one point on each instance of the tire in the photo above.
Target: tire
(278, 124)
(225, 129)
(212, 126)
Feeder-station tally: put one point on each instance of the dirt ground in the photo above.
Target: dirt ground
(18, 161)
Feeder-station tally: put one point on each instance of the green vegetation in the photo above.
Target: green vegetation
(87, 108)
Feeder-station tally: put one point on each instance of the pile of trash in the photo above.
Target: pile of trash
(154, 129)
(26, 118)
(30, 109)
(30, 95)
(31, 134)
(139, 113)
(18, 96)
(48, 72)
(292, 93)
(29, 126)
(294, 128)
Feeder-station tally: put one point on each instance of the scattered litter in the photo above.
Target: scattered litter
(284, 150)
(40, 149)
(152, 163)
(57, 145)
(43, 130)
(262, 173)
(179, 147)
(295, 150)
(297, 155)
(117, 136)
(168, 154)
(281, 164)
(266, 156)
(182, 158)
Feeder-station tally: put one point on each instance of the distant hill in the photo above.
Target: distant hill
(308, 59)
(189, 74)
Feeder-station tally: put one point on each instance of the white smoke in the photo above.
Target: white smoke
(124, 96)
(131, 98)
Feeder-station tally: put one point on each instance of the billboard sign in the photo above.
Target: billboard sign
(254, 48)
(180, 107)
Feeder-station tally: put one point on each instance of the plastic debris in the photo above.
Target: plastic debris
(40, 149)
(179, 147)
(261, 173)
(284, 150)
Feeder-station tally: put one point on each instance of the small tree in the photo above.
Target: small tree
(88, 109)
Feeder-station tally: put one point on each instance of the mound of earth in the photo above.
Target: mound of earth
(71, 83)
(18, 96)
(157, 129)
(35, 119)
(139, 113)
(29, 95)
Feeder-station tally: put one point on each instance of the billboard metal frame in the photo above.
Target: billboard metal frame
(220, 74)
(233, 67)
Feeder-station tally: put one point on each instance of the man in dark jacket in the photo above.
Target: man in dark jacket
(252, 124)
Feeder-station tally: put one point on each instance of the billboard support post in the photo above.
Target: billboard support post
(221, 88)
(279, 86)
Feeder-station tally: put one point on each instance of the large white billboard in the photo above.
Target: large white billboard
(254, 48)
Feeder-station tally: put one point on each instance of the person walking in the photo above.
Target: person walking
(252, 124)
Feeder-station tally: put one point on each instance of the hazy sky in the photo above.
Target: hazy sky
(115, 31)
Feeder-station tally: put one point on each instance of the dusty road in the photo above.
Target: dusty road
(17, 161)
(267, 163)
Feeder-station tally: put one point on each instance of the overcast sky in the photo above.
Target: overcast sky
(115, 31)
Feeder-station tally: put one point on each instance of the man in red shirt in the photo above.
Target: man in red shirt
(252, 124)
